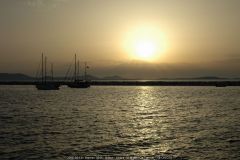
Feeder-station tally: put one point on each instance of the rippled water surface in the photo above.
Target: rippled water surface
(188, 122)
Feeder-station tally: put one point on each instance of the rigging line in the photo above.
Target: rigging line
(69, 69)
(73, 71)
(69, 73)
(71, 77)
(37, 72)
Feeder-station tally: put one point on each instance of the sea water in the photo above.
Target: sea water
(172, 122)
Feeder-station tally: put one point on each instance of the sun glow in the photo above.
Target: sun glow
(144, 43)
(145, 49)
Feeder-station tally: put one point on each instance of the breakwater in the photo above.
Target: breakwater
(137, 83)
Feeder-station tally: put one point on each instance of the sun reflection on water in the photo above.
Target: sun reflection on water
(149, 122)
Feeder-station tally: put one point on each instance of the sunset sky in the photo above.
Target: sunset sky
(145, 39)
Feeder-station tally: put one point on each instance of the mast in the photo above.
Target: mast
(45, 79)
(42, 68)
(78, 70)
(85, 71)
(75, 69)
(52, 71)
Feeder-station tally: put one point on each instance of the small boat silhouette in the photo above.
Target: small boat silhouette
(77, 83)
(44, 84)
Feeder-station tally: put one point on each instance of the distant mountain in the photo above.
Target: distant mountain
(209, 77)
(91, 77)
(22, 77)
(115, 77)
(80, 77)
(198, 78)
(14, 77)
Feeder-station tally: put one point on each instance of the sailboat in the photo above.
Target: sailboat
(44, 84)
(77, 83)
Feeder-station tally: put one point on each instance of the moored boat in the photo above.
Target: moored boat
(77, 83)
(44, 84)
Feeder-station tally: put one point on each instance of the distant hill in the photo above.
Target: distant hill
(80, 77)
(198, 78)
(209, 77)
(91, 77)
(115, 77)
(23, 77)
(14, 77)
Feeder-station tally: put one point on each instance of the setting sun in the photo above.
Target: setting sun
(144, 43)
(145, 49)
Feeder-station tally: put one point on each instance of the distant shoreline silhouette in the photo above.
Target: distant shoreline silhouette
(24, 77)
(21, 79)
